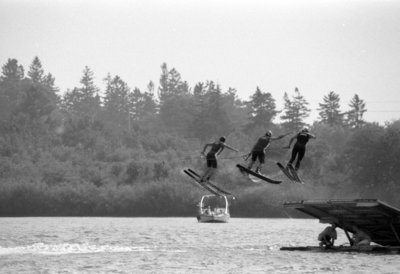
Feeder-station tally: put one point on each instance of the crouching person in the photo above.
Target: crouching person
(328, 236)
(360, 238)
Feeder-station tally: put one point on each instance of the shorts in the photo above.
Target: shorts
(260, 155)
(211, 161)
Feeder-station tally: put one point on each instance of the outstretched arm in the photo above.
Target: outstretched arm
(280, 136)
(312, 136)
(231, 148)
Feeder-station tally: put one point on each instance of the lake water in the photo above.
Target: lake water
(174, 245)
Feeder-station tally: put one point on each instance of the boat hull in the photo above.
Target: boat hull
(223, 218)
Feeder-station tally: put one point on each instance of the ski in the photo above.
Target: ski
(202, 184)
(258, 175)
(294, 174)
(287, 173)
(211, 184)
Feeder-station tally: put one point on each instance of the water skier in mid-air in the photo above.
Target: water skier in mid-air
(258, 150)
(216, 148)
(299, 148)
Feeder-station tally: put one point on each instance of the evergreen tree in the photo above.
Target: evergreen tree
(150, 103)
(176, 103)
(36, 71)
(12, 71)
(329, 110)
(36, 74)
(171, 84)
(84, 101)
(11, 89)
(262, 109)
(38, 103)
(163, 90)
(355, 115)
(212, 118)
(117, 106)
(142, 105)
(199, 125)
(236, 109)
(295, 111)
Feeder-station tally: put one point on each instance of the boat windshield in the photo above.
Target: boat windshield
(214, 202)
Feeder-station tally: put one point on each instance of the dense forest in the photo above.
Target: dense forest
(120, 151)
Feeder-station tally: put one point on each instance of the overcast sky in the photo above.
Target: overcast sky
(349, 47)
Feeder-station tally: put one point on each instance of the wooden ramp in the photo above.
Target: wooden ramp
(340, 249)
(378, 219)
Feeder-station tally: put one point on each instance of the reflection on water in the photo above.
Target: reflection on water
(173, 245)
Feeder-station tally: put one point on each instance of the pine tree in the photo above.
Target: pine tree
(295, 111)
(11, 89)
(12, 71)
(329, 110)
(355, 115)
(36, 74)
(142, 104)
(211, 118)
(171, 84)
(176, 103)
(36, 71)
(84, 101)
(262, 109)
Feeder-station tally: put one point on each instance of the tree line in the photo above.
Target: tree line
(120, 151)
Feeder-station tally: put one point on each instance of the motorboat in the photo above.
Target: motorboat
(213, 209)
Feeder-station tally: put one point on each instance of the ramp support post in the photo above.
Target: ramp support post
(394, 232)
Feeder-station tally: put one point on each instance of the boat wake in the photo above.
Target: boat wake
(71, 248)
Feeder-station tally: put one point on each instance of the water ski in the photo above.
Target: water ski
(208, 185)
(258, 175)
(201, 184)
(294, 174)
(288, 173)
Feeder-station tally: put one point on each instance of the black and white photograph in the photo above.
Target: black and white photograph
(200, 136)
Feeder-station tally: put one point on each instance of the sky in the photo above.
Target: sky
(346, 46)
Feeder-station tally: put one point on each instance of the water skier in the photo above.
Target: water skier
(299, 148)
(216, 148)
(258, 150)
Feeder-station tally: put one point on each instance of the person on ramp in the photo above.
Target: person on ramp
(216, 148)
(299, 148)
(258, 150)
(328, 236)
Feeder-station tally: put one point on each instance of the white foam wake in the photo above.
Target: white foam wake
(67, 248)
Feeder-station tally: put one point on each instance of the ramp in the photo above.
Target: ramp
(380, 220)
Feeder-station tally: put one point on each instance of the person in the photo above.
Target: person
(299, 148)
(215, 149)
(258, 150)
(328, 236)
(360, 238)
